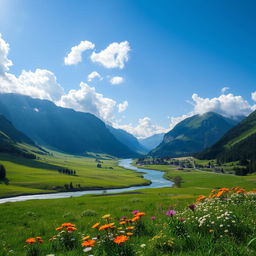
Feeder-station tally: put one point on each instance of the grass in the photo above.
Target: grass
(41, 217)
(28, 176)
(196, 182)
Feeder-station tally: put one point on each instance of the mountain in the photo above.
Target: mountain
(152, 141)
(237, 144)
(193, 135)
(13, 141)
(60, 128)
(128, 139)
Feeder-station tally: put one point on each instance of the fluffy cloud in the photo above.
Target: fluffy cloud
(75, 55)
(253, 96)
(144, 128)
(40, 84)
(93, 75)
(86, 99)
(226, 105)
(224, 89)
(5, 63)
(116, 80)
(114, 56)
(122, 106)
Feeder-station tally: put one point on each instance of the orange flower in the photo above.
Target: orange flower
(224, 189)
(129, 234)
(107, 226)
(58, 228)
(71, 228)
(96, 225)
(135, 218)
(67, 225)
(30, 240)
(219, 194)
(200, 198)
(86, 237)
(122, 222)
(240, 191)
(120, 239)
(129, 228)
(89, 243)
(140, 214)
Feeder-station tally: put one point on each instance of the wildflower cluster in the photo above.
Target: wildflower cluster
(32, 245)
(220, 216)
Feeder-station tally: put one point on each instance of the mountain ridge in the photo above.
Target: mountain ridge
(62, 129)
(193, 135)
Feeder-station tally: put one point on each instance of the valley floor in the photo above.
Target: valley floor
(41, 217)
(26, 176)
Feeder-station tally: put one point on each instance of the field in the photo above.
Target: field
(28, 176)
(41, 217)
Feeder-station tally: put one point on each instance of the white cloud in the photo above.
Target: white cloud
(93, 75)
(40, 84)
(75, 55)
(144, 128)
(116, 80)
(224, 89)
(122, 106)
(86, 99)
(5, 63)
(178, 119)
(253, 96)
(114, 56)
(227, 105)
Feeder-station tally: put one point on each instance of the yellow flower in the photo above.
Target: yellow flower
(211, 230)
(106, 216)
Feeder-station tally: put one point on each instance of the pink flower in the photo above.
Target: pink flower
(153, 218)
(170, 213)
(134, 212)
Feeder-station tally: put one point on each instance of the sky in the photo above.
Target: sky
(139, 65)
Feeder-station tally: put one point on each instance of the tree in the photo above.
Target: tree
(177, 181)
(2, 172)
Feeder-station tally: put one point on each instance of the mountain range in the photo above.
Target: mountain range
(60, 128)
(237, 144)
(27, 123)
(152, 141)
(193, 135)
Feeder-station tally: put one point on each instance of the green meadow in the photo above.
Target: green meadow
(41, 217)
(26, 176)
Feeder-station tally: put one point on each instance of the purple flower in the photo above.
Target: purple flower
(192, 207)
(134, 212)
(170, 213)
(153, 218)
(123, 218)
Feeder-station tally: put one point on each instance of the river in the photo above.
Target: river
(156, 178)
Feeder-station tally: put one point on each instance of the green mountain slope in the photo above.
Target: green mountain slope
(60, 128)
(193, 135)
(128, 139)
(15, 142)
(238, 143)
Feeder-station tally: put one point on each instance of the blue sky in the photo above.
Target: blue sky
(177, 49)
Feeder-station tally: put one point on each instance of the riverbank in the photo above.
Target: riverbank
(154, 179)
(26, 176)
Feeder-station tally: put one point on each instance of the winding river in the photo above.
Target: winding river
(156, 178)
